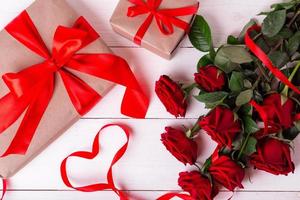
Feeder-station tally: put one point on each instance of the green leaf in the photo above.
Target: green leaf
(284, 33)
(273, 23)
(228, 57)
(212, 99)
(278, 58)
(293, 43)
(200, 35)
(204, 61)
(250, 125)
(287, 5)
(244, 97)
(250, 146)
(232, 40)
(236, 82)
(247, 83)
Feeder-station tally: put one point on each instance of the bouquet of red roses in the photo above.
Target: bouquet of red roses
(251, 87)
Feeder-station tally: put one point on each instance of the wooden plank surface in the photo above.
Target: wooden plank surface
(142, 195)
(147, 169)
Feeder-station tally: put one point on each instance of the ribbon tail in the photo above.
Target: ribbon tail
(31, 120)
(115, 69)
(258, 52)
(83, 97)
(11, 109)
(143, 29)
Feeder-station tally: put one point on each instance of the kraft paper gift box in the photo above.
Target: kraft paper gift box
(60, 114)
(153, 40)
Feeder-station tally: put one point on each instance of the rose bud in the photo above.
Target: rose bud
(210, 78)
(221, 125)
(279, 113)
(227, 172)
(180, 146)
(171, 95)
(273, 156)
(197, 185)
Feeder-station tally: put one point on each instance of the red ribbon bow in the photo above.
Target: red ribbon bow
(165, 18)
(32, 88)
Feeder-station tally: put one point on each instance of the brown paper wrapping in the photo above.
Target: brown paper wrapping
(154, 40)
(60, 114)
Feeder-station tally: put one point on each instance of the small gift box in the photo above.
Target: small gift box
(55, 68)
(157, 25)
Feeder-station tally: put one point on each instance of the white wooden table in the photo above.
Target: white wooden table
(147, 170)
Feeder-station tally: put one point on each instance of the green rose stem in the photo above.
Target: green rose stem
(187, 89)
(195, 129)
(243, 146)
(205, 166)
(286, 88)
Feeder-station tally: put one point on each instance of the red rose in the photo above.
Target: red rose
(180, 146)
(273, 156)
(171, 95)
(221, 125)
(210, 78)
(227, 172)
(279, 113)
(197, 185)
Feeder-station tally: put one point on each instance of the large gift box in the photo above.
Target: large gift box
(55, 68)
(157, 25)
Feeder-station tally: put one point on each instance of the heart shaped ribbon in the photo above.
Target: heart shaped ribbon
(91, 155)
(110, 181)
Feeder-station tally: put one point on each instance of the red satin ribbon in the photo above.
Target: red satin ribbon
(262, 113)
(165, 18)
(256, 50)
(110, 181)
(4, 185)
(172, 195)
(32, 88)
(91, 155)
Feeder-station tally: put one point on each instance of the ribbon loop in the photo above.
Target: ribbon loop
(66, 42)
(30, 36)
(165, 18)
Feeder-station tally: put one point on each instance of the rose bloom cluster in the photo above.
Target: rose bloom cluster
(261, 146)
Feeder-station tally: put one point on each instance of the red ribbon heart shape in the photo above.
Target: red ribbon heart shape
(91, 155)
(110, 181)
